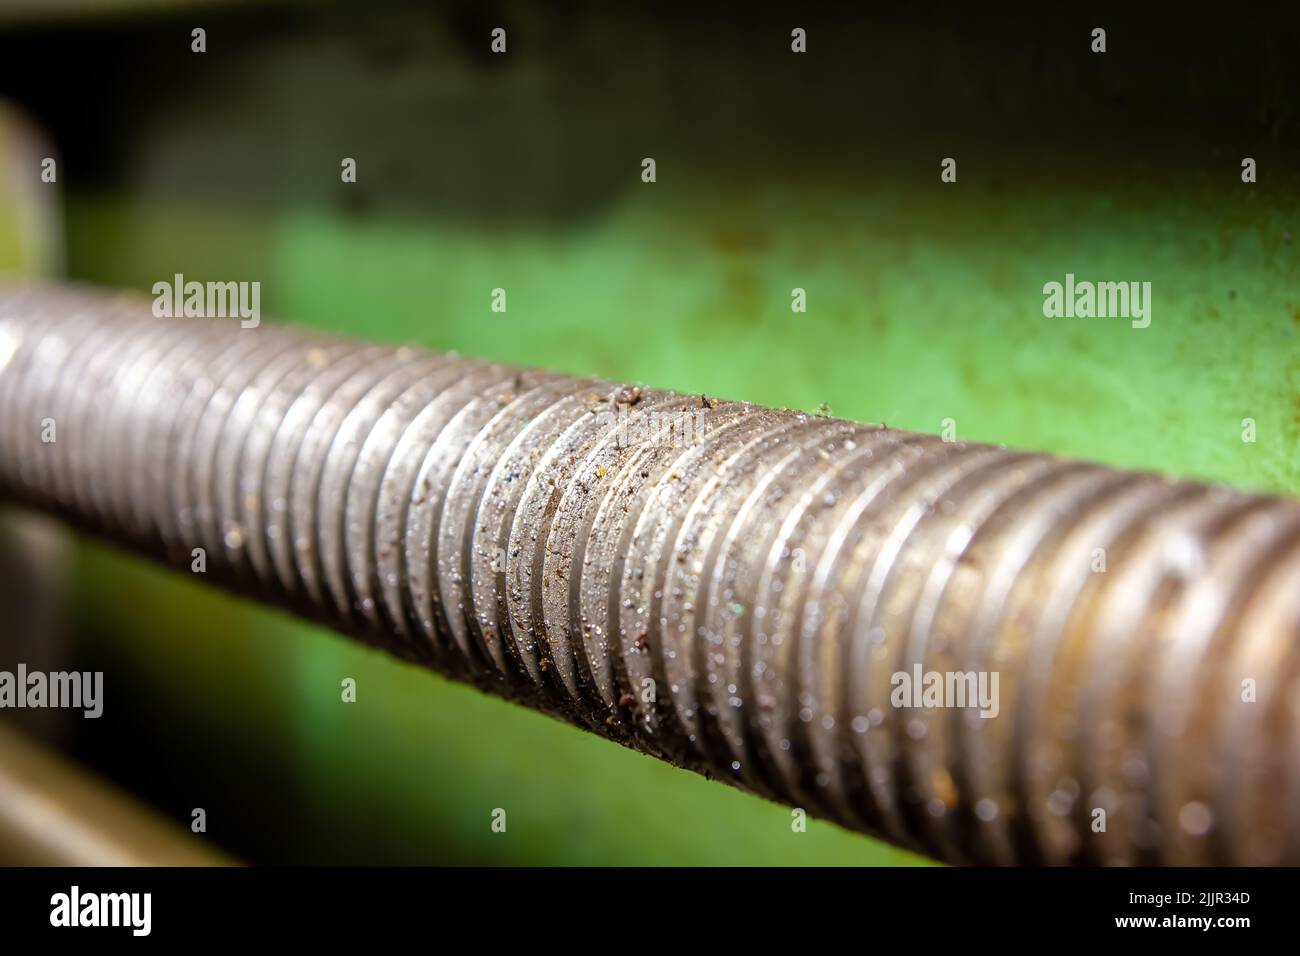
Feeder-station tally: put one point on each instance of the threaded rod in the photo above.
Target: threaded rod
(981, 654)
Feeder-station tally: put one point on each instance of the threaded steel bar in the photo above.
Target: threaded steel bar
(982, 654)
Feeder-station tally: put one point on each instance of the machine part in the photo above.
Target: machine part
(985, 655)
(53, 814)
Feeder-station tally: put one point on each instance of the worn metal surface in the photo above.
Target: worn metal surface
(730, 587)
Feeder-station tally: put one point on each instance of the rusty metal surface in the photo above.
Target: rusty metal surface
(732, 588)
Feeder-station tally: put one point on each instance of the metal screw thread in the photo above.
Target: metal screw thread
(732, 588)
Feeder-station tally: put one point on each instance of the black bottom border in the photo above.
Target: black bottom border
(937, 904)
